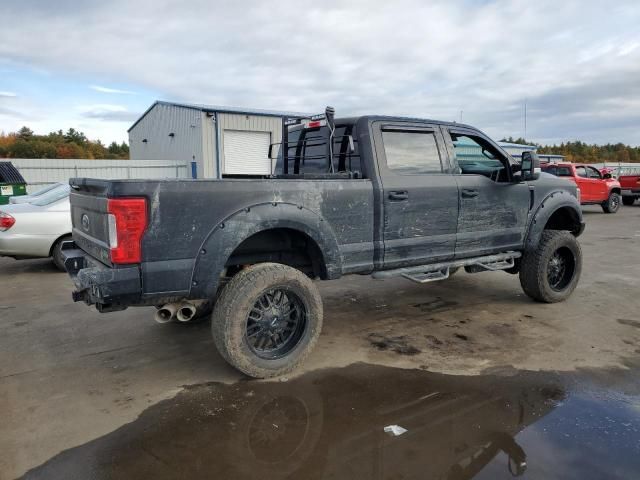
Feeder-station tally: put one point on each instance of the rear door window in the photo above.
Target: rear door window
(412, 152)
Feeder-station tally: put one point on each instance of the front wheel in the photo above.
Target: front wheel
(612, 204)
(267, 320)
(551, 272)
(628, 201)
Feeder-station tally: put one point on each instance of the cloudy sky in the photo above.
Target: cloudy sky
(96, 65)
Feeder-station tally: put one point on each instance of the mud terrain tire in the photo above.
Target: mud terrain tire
(550, 273)
(274, 302)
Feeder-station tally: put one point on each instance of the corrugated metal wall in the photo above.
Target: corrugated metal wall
(185, 145)
(250, 123)
(42, 171)
(209, 147)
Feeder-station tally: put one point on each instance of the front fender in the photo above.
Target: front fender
(227, 235)
(547, 207)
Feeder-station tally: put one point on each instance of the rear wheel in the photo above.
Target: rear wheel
(551, 272)
(612, 204)
(628, 200)
(267, 320)
(56, 254)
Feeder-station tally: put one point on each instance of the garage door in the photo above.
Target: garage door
(246, 152)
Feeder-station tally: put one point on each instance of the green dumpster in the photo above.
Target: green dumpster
(11, 182)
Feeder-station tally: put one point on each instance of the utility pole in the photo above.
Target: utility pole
(525, 118)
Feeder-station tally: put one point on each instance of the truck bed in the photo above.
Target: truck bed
(182, 214)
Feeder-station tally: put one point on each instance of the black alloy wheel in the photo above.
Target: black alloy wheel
(275, 323)
(560, 269)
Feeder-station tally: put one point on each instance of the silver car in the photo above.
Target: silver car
(37, 229)
(34, 196)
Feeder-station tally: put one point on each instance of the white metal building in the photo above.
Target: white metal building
(215, 140)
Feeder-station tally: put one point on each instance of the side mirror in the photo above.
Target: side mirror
(530, 166)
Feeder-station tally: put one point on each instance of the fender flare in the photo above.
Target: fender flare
(229, 233)
(549, 205)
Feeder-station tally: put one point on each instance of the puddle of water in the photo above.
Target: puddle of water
(330, 425)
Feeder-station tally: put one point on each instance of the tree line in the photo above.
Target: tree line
(74, 144)
(70, 144)
(581, 152)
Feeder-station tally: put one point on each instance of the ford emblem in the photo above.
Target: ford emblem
(85, 222)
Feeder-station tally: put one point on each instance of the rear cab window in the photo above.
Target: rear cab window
(52, 196)
(307, 151)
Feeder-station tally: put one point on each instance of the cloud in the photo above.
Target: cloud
(8, 94)
(100, 89)
(111, 113)
(426, 59)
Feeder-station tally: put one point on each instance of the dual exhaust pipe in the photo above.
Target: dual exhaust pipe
(180, 311)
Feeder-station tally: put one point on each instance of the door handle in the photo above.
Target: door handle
(467, 193)
(399, 196)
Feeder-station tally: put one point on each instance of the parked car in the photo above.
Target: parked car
(33, 196)
(385, 196)
(37, 229)
(595, 188)
(629, 178)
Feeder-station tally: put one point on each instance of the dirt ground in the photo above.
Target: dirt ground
(69, 375)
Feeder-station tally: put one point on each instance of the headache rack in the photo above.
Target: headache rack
(313, 140)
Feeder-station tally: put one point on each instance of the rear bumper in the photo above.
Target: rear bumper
(97, 284)
(630, 192)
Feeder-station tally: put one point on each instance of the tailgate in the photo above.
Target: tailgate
(89, 219)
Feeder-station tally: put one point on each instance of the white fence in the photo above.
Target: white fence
(42, 171)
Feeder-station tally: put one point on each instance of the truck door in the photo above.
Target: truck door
(599, 185)
(588, 189)
(419, 194)
(493, 208)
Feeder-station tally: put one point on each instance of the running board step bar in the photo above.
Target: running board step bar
(440, 271)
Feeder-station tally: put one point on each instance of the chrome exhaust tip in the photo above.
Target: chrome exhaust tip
(166, 314)
(186, 312)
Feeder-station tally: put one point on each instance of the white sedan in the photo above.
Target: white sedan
(37, 229)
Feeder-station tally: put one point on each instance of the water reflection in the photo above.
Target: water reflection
(324, 425)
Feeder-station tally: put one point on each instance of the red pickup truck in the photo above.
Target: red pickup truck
(629, 178)
(595, 188)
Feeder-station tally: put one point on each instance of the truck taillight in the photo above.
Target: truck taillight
(127, 223)
(6, 221)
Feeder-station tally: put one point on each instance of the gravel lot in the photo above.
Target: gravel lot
(69, 375)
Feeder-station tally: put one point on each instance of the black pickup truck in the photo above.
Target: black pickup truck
(372, 195)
